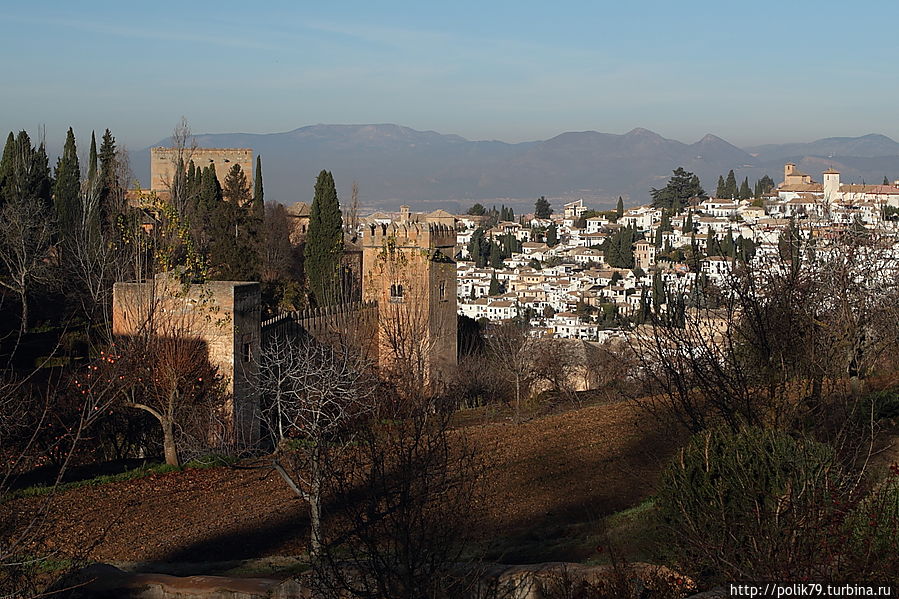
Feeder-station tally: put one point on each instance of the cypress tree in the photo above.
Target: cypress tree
(496, 255)
(619, 209)
(730, 186)
(745, 192)
(495, 288)
(111, 195)
(721, 189)
(7, 166)
(92, 162)
(324, 241)
(68, 187)
(688, 222)
(552, 236)
(258, 192)
(885, 180)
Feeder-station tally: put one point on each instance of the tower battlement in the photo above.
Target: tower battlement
(419, 235)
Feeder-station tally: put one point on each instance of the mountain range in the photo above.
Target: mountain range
(397, 165)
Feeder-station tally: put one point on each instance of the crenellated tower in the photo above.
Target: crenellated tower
(408, 268)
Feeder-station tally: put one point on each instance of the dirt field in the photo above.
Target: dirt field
(550, 482)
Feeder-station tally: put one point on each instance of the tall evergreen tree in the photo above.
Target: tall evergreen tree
(496, 255)
(675, 196)
(619, 208)
(111, 189)
(552, 235)
(495, 288)
(745, 192)
(688, 222)
(236, 188)
(731, 190)
(258, 192)
(7, 166)
(721, 189)
(542, 209)
(92, 162)
(324, 241)
(885, 180)
(67, 187)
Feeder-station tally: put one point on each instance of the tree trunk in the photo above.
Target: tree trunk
(168, 443)
(315, 509)
(517, 400)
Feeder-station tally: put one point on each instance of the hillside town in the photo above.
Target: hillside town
(567, 276)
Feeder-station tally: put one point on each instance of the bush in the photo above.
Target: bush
(753, 504)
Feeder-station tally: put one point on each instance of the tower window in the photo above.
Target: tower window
(247, 354)
(396, 293)
(441, 289)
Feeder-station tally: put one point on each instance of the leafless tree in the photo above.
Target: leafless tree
(26, 250)
(406, 505)
(161, 361)
(312, 394)
(511, 352)
(27, 409)
(352, 220)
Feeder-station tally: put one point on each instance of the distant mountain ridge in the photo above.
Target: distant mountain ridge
(398, 165)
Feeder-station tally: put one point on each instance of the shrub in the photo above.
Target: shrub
(753, 504)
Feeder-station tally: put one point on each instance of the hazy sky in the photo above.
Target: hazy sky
(751, 72)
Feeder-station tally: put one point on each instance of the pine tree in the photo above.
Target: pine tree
(67, 187)
(324, 241)
(619, 209)
(542, 209)
(721, 190)
(675, 196)
(236, 188)
(730, 186)
(745, 192)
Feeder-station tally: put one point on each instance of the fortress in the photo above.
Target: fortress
(406, 321)
(164, 160)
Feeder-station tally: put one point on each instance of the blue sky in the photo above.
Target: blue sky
(751, 72)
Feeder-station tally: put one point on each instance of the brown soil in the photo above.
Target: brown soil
(550, 480)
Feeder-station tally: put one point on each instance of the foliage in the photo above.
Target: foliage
(324, 242)
(542, 209)
(676, 195)
(749, 504)
(477, 210)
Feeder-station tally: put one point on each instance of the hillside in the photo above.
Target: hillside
(426, 169)
(549, 482)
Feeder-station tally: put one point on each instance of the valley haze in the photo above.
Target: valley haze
(397, 165)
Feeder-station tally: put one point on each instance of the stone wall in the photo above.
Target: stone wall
(164, 160)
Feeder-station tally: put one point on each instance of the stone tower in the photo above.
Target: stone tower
(408, 268)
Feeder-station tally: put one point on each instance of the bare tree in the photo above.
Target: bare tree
(27, 409)
(407, 505)
(26, 250)
(161, 360)
(510, 351)
(312, 395)
(352, 212)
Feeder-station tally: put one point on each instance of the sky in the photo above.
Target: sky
(750, 72)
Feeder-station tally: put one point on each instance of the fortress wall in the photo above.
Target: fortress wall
(164, 160)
